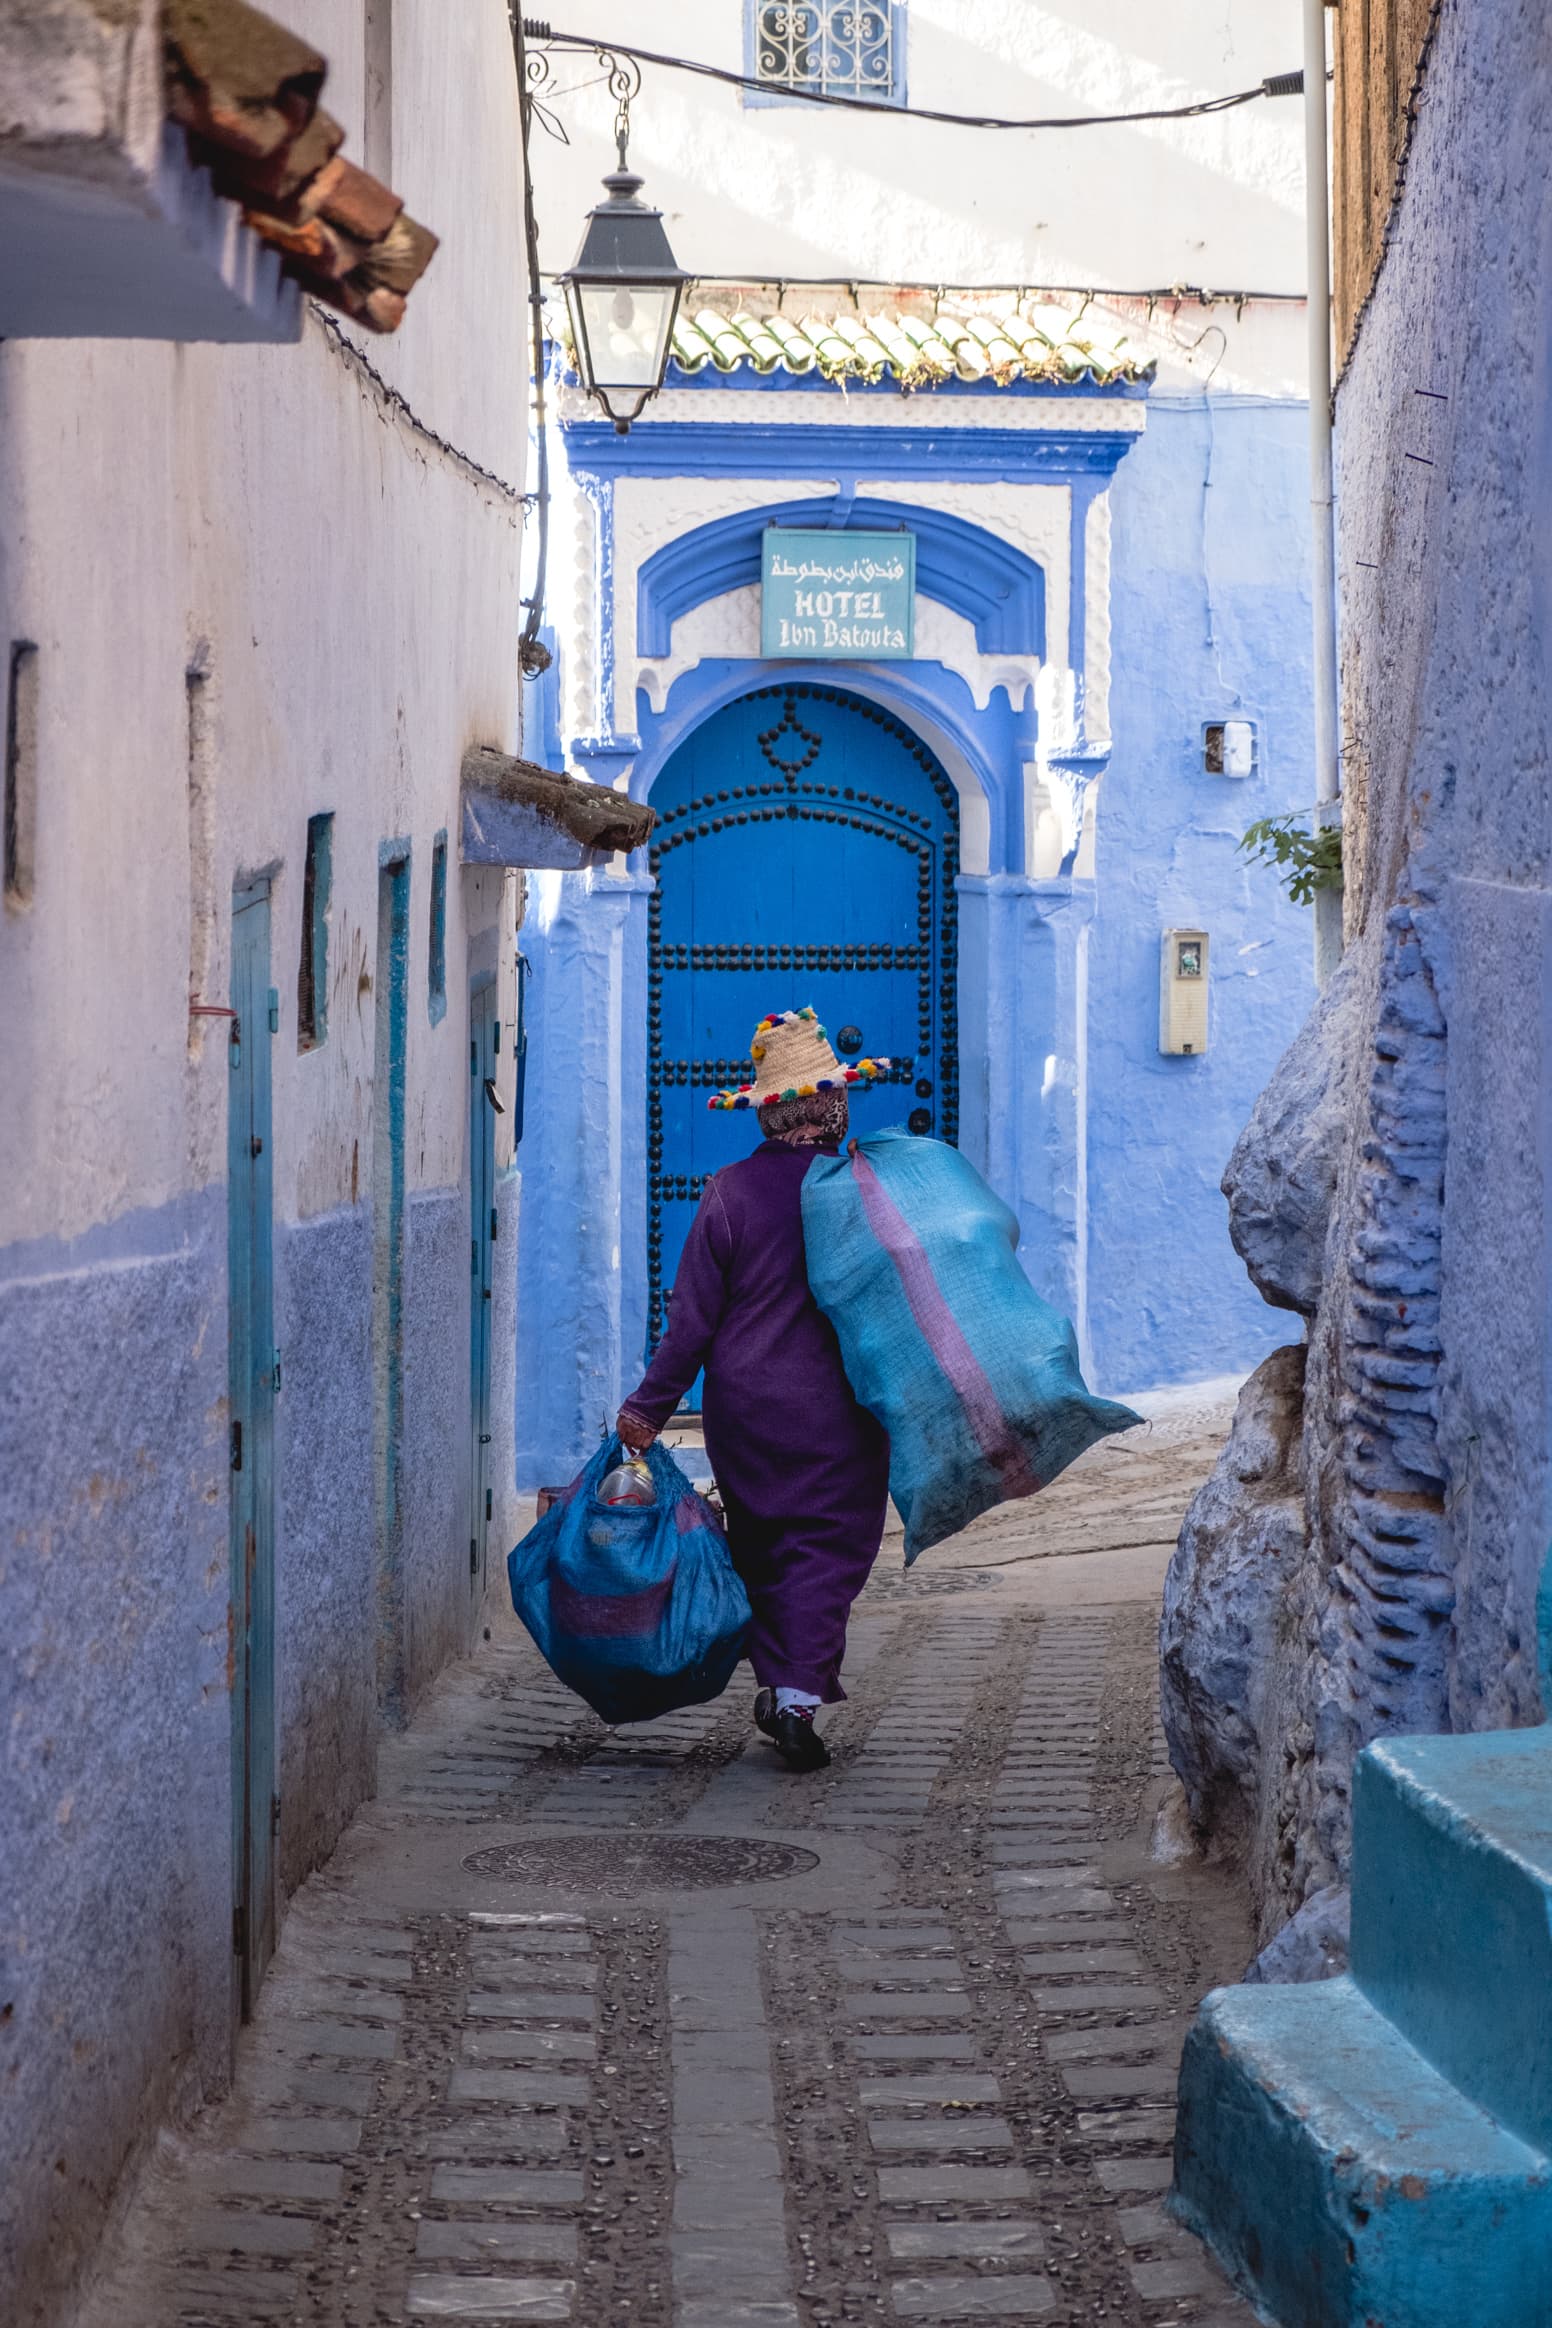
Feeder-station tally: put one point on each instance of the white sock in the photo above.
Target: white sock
(796, 1697)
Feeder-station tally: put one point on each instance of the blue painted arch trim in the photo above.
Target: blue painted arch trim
(977, 574)
(982, 751)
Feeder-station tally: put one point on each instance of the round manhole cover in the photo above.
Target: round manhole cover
(635, 1862)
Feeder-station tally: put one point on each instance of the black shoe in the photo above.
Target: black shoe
(765, 1712)
(798, 1742)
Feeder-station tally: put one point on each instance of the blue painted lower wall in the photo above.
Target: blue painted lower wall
(1110, 1152)
(434, 1469)
(326, 1546)
(115, 1910)
(115, 1881)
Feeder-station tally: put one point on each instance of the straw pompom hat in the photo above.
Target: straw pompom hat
(792, 1060)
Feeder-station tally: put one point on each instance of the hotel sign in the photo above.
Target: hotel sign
(837, 596)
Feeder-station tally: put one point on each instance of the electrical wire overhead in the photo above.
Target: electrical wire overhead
(1275, 85)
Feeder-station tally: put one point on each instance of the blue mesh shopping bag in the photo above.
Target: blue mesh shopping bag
(636, 1607)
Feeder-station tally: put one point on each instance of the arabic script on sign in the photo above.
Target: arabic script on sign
(833, 570)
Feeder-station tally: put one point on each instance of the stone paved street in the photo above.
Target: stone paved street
(636, 2027)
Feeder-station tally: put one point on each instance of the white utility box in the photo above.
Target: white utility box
(1229, 747)
(1183, 992)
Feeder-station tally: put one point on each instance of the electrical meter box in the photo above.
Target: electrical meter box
(1229, 748)
(1183, 992)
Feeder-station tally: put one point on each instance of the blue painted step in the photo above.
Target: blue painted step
(1347, 2183)
(1452, 1911)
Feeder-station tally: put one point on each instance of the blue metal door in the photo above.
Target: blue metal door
(253, 1368)
(484, 1048)
(806, 853)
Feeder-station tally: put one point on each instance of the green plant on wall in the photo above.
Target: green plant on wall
(1305, 861)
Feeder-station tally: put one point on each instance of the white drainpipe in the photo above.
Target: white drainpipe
(1328, 780)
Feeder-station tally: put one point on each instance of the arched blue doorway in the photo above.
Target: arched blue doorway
(806, 852)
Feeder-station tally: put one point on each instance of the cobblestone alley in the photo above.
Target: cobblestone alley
(637, 2027)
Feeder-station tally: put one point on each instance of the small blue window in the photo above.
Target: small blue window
(828, 48)
(436, 975)
(312, 984)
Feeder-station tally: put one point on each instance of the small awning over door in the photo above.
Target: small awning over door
(517, 813)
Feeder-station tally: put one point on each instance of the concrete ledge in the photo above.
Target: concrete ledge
(1452, 1910)
(1340, 2179)
(132, 253)
(517, 813)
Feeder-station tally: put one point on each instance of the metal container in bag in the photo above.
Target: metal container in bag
(629, 1482)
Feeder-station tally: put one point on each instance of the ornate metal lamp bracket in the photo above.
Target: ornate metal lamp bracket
(622, 76)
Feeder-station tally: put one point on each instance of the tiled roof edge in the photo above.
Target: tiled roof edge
(914, 350)
(245, 92)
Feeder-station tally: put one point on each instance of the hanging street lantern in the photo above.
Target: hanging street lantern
(622, 296)
(623, 292)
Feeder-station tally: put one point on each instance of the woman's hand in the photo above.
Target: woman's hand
(632, 1432)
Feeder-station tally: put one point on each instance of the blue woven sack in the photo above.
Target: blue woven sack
(637, 1607)
(914, 1262)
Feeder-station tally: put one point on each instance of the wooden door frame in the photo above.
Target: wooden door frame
(251, 1388)
(483, 1005)
(390, 1093)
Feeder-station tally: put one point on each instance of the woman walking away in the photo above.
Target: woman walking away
(803, 1469)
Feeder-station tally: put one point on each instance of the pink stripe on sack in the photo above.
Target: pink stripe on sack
(941, 1332)
(602, 1616)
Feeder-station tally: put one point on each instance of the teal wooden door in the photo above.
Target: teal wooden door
(806, 852)
(252, 1371)
(484, 1050)
(390, 1088)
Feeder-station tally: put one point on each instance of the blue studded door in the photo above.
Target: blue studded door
(806, 852)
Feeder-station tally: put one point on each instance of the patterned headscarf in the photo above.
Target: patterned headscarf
(803, 1123)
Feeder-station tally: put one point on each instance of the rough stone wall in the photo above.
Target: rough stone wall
(1244, 1540)
(1376, 1594)
(1428, 1409)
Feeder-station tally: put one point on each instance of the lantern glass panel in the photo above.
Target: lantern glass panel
(622, 331)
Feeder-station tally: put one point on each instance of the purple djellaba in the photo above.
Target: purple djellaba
(803, 1469)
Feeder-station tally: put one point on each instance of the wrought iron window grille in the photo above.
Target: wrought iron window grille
(840, 48)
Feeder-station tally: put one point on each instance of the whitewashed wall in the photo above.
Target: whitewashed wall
(751, 191)
(343, 581)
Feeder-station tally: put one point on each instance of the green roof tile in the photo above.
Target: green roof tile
(1002, 344)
